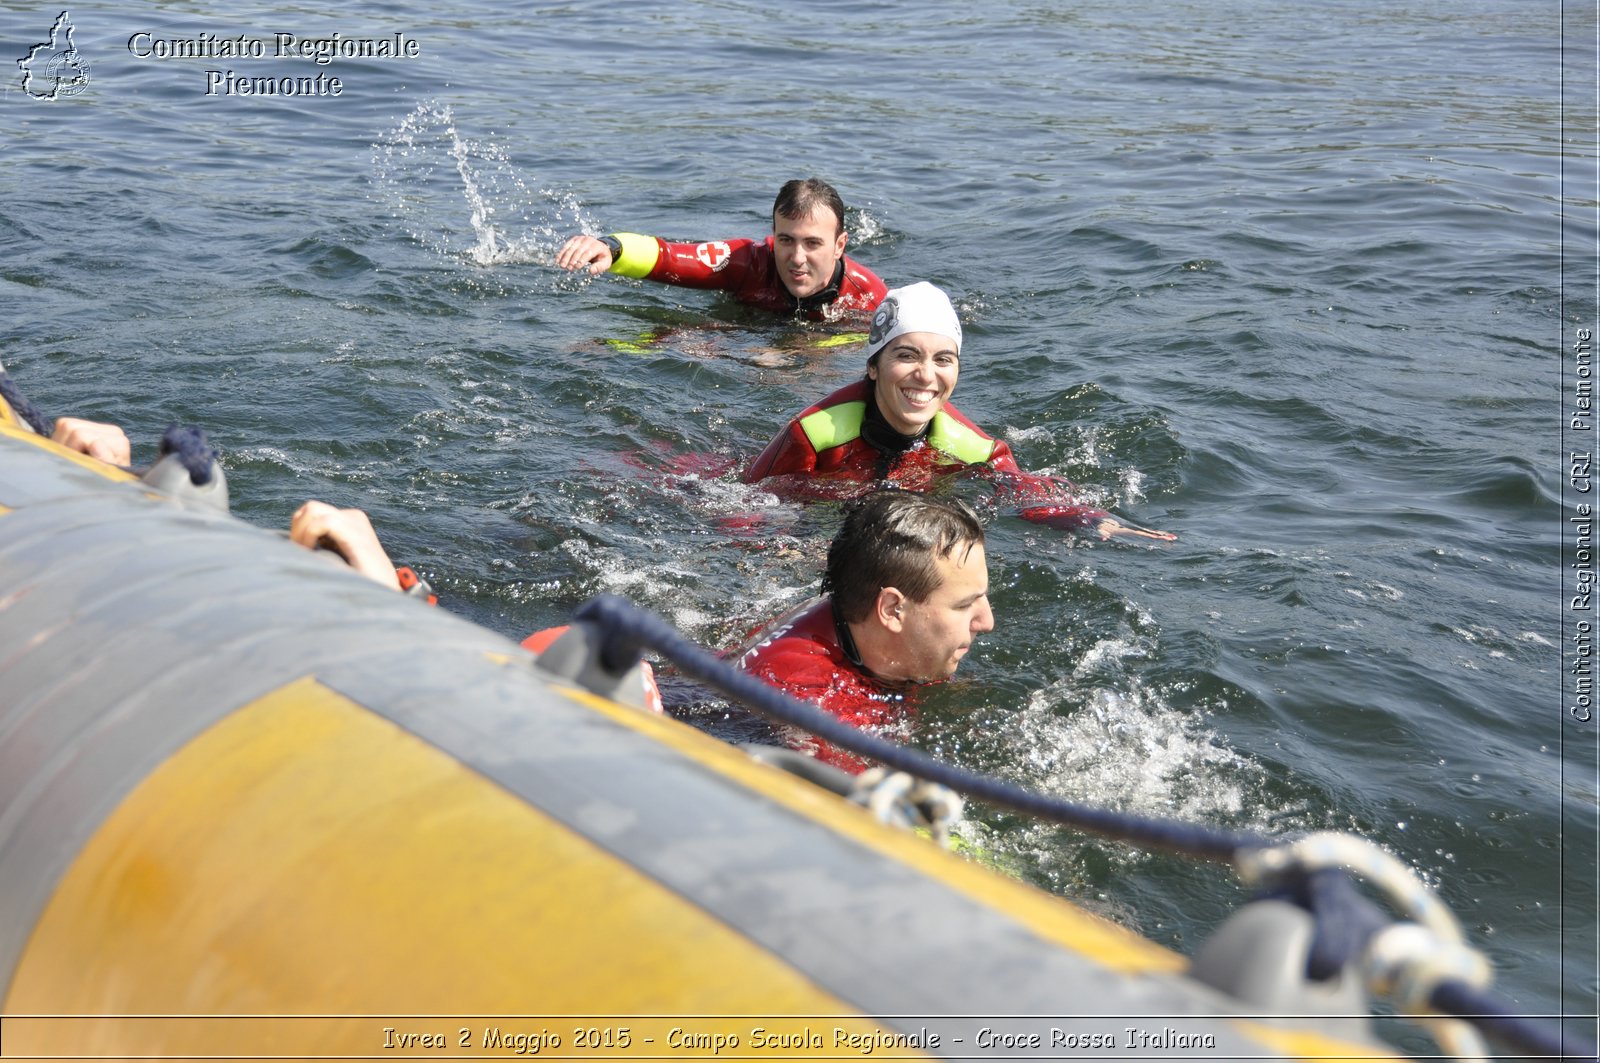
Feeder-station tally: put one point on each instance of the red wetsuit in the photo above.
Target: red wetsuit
(747, 270)
(827, 442)
(803, 653)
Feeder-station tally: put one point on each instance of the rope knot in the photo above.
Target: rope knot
(193, 452)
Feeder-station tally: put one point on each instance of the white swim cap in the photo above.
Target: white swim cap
(918, 307)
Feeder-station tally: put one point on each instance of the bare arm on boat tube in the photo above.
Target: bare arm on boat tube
(349, 533)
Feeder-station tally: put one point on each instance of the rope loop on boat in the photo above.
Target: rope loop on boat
(1329, 849)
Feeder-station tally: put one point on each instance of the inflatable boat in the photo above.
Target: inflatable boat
(254, 805)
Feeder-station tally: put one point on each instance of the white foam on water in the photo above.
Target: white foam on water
(612, 574)
(307, 464)
(1096, 740)
(1109, 653)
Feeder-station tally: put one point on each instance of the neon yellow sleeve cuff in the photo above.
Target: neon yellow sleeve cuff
(639, 254)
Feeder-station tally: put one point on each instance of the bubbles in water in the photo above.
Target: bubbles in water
(1109, 654)
(1087, 451)
(464, 198)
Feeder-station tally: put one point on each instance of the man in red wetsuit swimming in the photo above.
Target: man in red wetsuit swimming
(800, 269)
(906, 593)
(897, 423)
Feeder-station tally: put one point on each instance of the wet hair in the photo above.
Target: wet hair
(798, 198)
(894, 539)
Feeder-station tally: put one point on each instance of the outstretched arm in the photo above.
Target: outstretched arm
(1112, 526)
(348, 533)
(1103, 524)
(1055, 509)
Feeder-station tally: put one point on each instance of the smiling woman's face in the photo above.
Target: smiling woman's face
(913, 377)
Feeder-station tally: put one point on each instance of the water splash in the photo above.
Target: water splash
(1132, 481)
(1129, 750)
(1103, 738)
(864, 227)
(464, 198)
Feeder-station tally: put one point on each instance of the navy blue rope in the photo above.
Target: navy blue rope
(194, 453)
(21, 406)
(1344, 920)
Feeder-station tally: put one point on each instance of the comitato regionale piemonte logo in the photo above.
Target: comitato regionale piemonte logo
(55, 69)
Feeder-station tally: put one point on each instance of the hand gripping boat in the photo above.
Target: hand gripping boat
(254, 805)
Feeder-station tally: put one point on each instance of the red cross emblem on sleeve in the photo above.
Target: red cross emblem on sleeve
(714, 254)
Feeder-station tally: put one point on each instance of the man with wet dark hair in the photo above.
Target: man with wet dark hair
(906, 593)
(804, 196)
(800, 269)
(894, 555)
